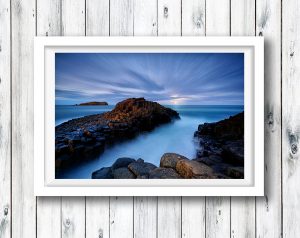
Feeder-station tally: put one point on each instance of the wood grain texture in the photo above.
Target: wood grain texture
(121, 217)
(169, 17)
(268, 208)
(97, 217)
(121, 17)
(145, 208)
(193, 217)
(73, 217)
(5, 121)
(290, 117)
(193, 17)
(193, 208)
(73, 209)
(145, 17)
(169, 217)
(242, 208)
(218, 208)
(145, 217)
(23, 200)
(48, 23)
(97, 17)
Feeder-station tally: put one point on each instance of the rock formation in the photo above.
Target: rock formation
(86, 138)
(92, 104)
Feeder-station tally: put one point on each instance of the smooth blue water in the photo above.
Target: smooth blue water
(176, 137)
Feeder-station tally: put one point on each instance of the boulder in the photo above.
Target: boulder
(140, 168)
(123, 173)
(194, 169)
(164, 173)
(169, 160)
(103, 173)
(233, 152)
(122, 162)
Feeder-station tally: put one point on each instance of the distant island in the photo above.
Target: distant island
(92, 104)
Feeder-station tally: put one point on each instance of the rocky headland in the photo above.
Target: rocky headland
(221, 145)
(85, 138)
(92, 104)
(220, 155)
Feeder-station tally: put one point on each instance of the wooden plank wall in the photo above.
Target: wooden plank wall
(275, 215)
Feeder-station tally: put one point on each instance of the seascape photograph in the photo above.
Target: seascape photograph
(149, 115)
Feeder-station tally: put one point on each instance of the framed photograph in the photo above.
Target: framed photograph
(149, 116)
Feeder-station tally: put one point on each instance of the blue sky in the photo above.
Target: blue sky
(167, 78)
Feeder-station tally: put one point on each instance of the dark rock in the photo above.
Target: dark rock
(164, 173)
(141, 168)
(122, 162)
(233, 152)
(123, 173)
(169, 160)
(92, 104)
(235, 172)
(104, 173)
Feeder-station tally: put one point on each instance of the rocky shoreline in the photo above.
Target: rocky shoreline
(220, 156)
(85, 138)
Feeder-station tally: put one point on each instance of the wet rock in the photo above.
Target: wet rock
(123, 173)
(164, 173)
(169, 160)
(194, 169)
(233, 152)
(140, 168)
(122, 162)
(104, 173)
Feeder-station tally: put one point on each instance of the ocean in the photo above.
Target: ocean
(176, 137)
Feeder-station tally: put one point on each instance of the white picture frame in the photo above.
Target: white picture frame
(45, 183)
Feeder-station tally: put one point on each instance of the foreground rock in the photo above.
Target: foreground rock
(221, 146)
(172, 166)
(86, 138)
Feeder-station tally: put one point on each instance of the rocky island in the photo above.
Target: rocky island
(92, 104)
(85, 138)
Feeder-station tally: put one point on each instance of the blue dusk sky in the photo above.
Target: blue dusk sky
(167, 78)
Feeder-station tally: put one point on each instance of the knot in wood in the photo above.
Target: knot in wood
(294, 148)
(68, 222)
(166, 12)
(5, 210)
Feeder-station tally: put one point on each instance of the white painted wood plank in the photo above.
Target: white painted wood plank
(121, 217)
(48, 223)
(193, 217)
(169, 208)
(73, 17)
(145, 217)
(97, 217)
(169, 17)
(97, 17)
(145, 17)
(218, 17)
(242, 208)
(121, 208)
(121, 17)
(169, 217)
(193, 208)
(217, 217)
(193, 17)
(73, 217)
(217, 208)
(23, 200)
(290, 117)
(268, 208)
(5, 120)
(97, 208)
(73, 208)
(48, 208)
(145, 208)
